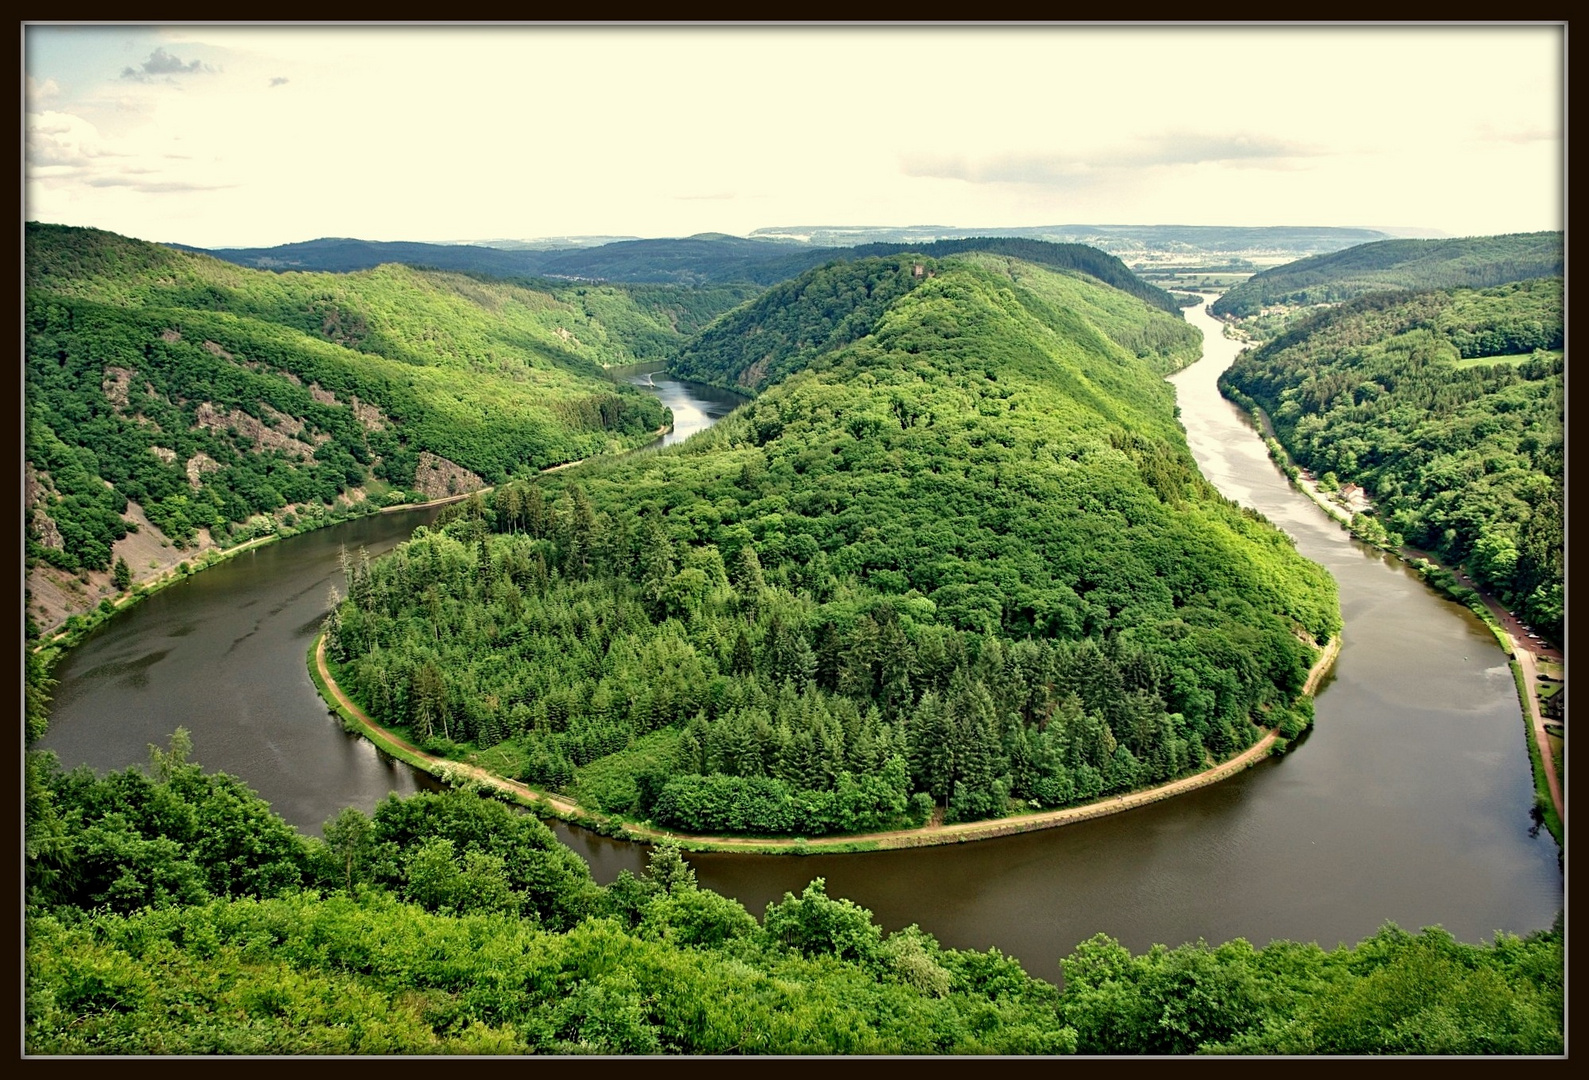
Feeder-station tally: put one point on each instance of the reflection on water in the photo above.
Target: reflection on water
(695, 406)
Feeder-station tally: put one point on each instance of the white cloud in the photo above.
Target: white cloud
(41, 93)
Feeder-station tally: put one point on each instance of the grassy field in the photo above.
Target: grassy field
(1510, 358)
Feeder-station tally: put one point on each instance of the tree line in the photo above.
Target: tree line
(1462, 459)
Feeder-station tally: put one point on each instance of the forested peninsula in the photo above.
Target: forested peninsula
(208, 404)
(1446, 407)
(955, 559)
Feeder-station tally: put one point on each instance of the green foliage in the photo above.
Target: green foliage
(211, 395)
(1394, 993)
(130, 841)
(966, 555)
(452, 924)
(1464, 461)
(467, 929)
(816, 925)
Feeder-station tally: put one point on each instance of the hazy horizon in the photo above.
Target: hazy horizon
(253, 136)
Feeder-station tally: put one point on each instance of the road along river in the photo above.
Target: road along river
(1408, 802)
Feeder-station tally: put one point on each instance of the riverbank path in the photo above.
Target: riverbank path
(923, 836)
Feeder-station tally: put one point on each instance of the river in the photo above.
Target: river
(1408, 802)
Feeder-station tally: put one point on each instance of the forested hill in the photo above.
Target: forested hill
(212, 395)
(963, 560)
(1467, 262)
(1079, 257)
(798, 321)
(711, 258)
(1447, 407)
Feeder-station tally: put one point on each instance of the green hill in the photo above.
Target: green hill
(1468, 262)
(959, 554)
(1447, 408)
(794, 323)
(211, 394)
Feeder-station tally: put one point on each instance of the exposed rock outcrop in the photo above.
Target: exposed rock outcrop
(437, 478)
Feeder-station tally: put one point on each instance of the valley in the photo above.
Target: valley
(1109, 873)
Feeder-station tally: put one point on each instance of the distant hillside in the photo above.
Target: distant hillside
(1088, 260)
(1469, 262)
(1448, 408)
(213, 402)
(711, 258)
(696, 260)
(793, 323)
(1214, 239)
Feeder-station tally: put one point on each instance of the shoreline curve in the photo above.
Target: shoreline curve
(459, 773)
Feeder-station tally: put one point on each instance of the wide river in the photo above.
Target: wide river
(1408, 802)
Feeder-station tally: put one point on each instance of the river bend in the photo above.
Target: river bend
(1409, 801)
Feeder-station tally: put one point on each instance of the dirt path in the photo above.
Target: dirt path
(1536, 723)
(443, 767)
(657, 434)
(923, 836)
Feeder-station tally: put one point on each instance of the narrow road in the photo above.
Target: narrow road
(1536, 723)
(923, 836)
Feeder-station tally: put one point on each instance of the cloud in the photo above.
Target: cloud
(1518, 135)
(61, 140)
(39, 93)
(1063, 168)
(279, 80)
(135, 180)
(63, 150)
(161, 62)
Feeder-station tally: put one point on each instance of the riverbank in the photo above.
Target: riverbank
(1453, 584)
(930, 835)
(58, 639)
(66, 633)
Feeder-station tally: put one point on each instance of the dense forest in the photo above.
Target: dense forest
(1468, 262)
(172, 912)
(960, 562)
(1447, 408)
(210, 394)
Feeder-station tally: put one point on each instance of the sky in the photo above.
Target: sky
(236, 136)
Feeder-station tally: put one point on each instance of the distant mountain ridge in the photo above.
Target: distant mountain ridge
(707, 258)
